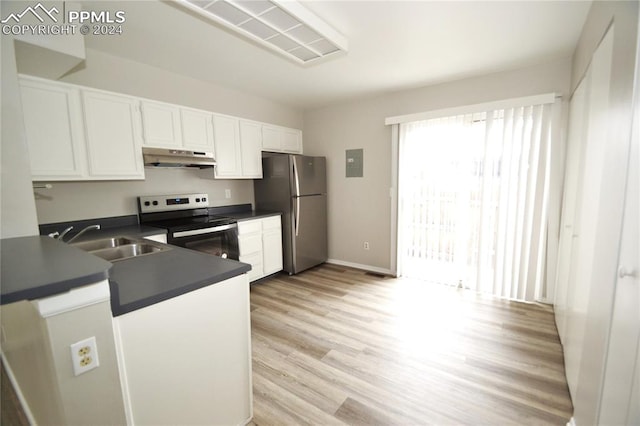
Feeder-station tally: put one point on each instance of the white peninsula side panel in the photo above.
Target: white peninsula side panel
(187, 360)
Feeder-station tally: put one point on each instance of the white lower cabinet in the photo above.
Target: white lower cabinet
(187, 360)
(260, 242)
(272, 245)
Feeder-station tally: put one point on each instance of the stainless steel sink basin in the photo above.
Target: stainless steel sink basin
(120, 248)
(104, 243)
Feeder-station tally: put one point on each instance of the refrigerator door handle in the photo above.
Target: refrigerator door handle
(297, 215)
(295, 175)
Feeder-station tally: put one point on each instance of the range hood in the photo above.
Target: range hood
(168, 157)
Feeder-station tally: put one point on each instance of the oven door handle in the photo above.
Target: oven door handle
(204, 231)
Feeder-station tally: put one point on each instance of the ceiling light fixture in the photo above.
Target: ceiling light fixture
(286, 27)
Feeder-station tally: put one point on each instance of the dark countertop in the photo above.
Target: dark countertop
(253, 214)
(146, 280)
(36, 267)
(133, 231)
(241, 212)
(40, 266)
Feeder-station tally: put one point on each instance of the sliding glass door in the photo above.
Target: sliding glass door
(472, 200)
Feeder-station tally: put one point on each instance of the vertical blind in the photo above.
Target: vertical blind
(473, 200)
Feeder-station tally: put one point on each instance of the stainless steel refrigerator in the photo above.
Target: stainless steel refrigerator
(296, 185)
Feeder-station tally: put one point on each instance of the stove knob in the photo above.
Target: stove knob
(204, 199)
(146, 203)
(197, 200)
(155, 203)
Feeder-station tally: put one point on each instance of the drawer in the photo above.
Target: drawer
(255, 260)
(271, 223)
(250, 244)
(249, 227)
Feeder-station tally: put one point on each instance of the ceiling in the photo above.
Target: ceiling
(393, 45)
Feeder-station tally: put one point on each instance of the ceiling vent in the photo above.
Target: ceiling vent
(286, 27)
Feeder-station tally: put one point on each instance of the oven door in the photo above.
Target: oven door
(219, 241)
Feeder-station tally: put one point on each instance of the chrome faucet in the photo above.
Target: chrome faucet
(88, 228)
(63, 233)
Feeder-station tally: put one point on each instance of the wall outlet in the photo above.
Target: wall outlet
(366, 245)
(227, 193)
(84, 355)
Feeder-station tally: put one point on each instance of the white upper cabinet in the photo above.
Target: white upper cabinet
(291, 140)
(251, 149)
(197, 130)
(54, 129)
(161, 125)
(281, 139)
(172, 126)
(78, 133)
(237, 148)
(114, 143)
(226, 139)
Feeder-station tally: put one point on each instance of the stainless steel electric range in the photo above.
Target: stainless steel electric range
(189, 224)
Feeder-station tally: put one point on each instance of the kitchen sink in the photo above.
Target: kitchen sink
(120, 248)
(104, 243)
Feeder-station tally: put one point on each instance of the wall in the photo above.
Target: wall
(86, 200)
(17, 208)
(37, 353)
(360, 208)
(68, 201)
(601, 283)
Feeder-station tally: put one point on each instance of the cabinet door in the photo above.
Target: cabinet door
(113, 136)
(53, 122)
(272, 251)
(291, 141)
(281, 139)
(272, 245)
(251, 147)
(270, 138)
(197, 130)
(227, 147)
(161, 125)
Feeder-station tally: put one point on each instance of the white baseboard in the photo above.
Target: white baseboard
(16, 388)
(368, 268)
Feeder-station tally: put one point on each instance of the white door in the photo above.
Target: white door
(272, 245)
(227, 146)
(271, 139)
(251, 147)
(575, 153)
(113, 136)
(622, 373)
(197, 130)
(291, 141)
(53, 123)
(161, 124)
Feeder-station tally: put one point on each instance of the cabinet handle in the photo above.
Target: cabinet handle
(624, 272)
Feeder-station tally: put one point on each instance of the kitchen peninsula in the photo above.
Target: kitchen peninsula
(171, 344)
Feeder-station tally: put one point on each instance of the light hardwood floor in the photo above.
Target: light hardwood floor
(336, 345)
